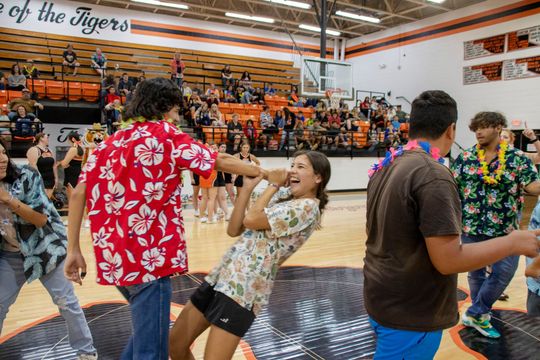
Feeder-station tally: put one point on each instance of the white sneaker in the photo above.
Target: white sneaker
(227, 217)
(196, 214)
(214, 218)
(204, 219)
(87, 356)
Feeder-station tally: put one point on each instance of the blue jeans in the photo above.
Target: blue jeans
(150, 306)
(393, 344)
(486, 290)
(61, 290)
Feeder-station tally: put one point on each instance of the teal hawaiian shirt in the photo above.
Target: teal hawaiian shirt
(492, 210)
(42, 249)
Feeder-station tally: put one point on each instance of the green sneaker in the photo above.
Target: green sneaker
(482, 325)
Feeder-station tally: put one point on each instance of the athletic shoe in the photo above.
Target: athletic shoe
(204, 219)
(481, 324)
(227, 217)
(87, 357)
(196, 213)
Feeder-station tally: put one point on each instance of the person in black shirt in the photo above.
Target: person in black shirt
(70, 59)
(234, 128)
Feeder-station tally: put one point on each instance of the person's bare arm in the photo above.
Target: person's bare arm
(32, 155)
(75, 260)
(236, 223)
(449, 256)
(230, 164)
(22, 210)
(533, 188)
(69, 156)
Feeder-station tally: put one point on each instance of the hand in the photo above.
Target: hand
(4, 196)
(278, 176)
(251, 182)
(533, 270)
(529, 134)
(73, 263)
(525, 242)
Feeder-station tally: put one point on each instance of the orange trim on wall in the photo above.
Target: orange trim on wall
(443, 25)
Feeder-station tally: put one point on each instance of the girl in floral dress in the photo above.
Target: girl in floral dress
(273, 229)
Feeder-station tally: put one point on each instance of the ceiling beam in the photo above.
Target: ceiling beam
(361, 7)
(430, 4)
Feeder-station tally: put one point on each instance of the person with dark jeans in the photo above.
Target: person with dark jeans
(128, 196)
(492, 178)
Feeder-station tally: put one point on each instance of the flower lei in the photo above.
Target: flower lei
(483, 170)
(392, 154)
(125, 123)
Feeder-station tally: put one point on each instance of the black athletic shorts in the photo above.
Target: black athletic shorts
(239, 181)
(220, 180)
(228, 178)
(222, 311)
(195, 180)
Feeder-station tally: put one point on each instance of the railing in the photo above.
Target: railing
(279, 142)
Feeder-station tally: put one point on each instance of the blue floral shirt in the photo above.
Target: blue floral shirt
(42, 249)
(492, 210)
(532, 283)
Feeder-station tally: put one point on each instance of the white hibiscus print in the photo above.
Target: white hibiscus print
(141, 222)
(153, 258)
(114, 200)
(100, 239)
(150, 153)
(153, 191)
(106, 171)
(140, 132)
(112, 267)
(198, 156)
(179, 260)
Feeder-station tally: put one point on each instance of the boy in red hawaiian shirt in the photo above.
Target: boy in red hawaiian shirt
(132, 187)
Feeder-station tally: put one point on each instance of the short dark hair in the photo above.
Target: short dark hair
(432, 112)
(487, 119)
(154, 98)
(12, 172)
(74, 135)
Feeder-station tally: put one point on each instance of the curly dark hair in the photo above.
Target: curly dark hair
(154, 98)
(487, 119)
(12, 171)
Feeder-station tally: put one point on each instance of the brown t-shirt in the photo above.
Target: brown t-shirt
(28, 104)
(414, 198)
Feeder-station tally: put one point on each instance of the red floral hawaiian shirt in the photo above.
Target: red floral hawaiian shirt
(133, 190)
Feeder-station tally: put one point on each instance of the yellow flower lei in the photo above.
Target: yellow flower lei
(484, 168)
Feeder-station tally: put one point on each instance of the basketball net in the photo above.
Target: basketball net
(335, 96)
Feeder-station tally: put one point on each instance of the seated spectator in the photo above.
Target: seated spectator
(300, 116)
(234, 128)
(70, 59)
(141, 77)
(125, 85)
(226, 76)
(250, 133)
(202, 116)
(288, 128)
(2, 81)
(25, 125)
(379, 118)
(395, 122)
(186, 91)
(99, 62)
(245, 81)
(295, 100)
(335, 136)
(215, 116)
(212, 95)
(373, 137)
(400, 114)
(279, 120)
(243, 95)
(228, 95)
(257, 96)
(16, 81)
(113, 109)
(25, 101)
(112, 95)
(30, 71)
(316, 137)
(235, 145)
(269, 89)
(177, 69)
(390, 112)
(299, 135)
(334, 117)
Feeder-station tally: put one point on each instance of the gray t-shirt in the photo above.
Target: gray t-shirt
(413, 198)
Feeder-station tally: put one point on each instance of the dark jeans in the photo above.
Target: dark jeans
(486, 290)
(533, 303)
(150, 306)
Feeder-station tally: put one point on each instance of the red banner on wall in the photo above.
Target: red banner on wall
(524, 38)
(482, 73)
(522, 68)
(484, 47)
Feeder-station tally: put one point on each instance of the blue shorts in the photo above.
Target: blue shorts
(393, 344)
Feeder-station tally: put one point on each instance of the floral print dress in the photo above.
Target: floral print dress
(247, 270)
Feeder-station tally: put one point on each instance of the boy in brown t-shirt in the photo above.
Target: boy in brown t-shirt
(410, 279)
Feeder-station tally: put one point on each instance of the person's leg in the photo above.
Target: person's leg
(212, 193)
(203, 208)
(221, 344)
(63, 296)
(502, 273)
(189, 325)
(475, 278)
(229, 187)
(75, 68)
(402, 344)
(222, 201)
(196, 189)
(11, 281)
(150, 306)
(533, 303)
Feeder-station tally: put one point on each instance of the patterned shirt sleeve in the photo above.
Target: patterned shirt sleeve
(528, 173)
(88, 166)
(194, 156)
(290, 217)
(34, 192)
